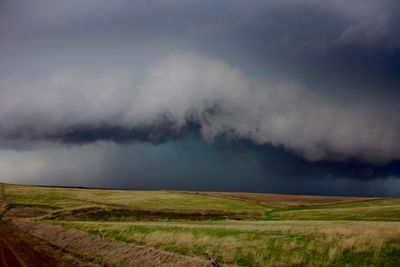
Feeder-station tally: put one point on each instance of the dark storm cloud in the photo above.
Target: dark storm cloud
(346, 47)
(343, 49)
(184, 89)
(156, 134)
(184, 164)
(284, 165)
(318, 78)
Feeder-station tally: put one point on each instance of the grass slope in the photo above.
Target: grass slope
(280, 200)
(373, 210)
(318, 232)
(263, 243)
(171, 201)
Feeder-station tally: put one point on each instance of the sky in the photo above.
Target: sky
(265, 96)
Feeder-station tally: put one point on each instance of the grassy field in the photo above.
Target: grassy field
(172, 201)
(287, 200)
(277, 231)
(374, 210)
(263, 243)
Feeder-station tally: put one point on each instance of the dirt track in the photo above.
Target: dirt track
(19, 249)
(8, 255)
(16, 250)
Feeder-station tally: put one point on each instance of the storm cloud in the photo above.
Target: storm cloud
(310, 87)
(185, 89)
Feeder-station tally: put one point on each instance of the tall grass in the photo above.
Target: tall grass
(291, 243)
(348, 234)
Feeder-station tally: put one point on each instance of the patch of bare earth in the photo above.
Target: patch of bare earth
(103, 251)
(26, 250)
(288, 200)
(105, 213)
(27, 212)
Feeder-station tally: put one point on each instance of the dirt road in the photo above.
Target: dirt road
(8, 255)
(20, 249)
(17, 250)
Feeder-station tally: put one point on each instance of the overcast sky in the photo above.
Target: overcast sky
(269, 96)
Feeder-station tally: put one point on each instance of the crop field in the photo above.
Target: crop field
(172, 228)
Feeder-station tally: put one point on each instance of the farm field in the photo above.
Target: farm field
(172, 228)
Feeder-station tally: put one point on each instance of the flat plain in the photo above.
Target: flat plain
(173, 228)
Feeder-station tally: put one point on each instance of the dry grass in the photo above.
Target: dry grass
(376, 210)
(172, 201)
(262, 243)
(176, 239)
(104, 251)
(288, 200)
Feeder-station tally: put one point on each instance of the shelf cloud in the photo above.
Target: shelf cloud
(189, 89)
(306, 90)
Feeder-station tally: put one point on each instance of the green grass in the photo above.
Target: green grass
(171, 201)
(373, 210)
(43, 197)
(363, 233)
(263, 243)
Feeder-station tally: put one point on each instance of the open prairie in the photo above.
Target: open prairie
(287, 200)
(172, 228)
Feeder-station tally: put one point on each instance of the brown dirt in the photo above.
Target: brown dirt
(18, 249)
(288, 200)
(25, 212)
(104, 251)
(104, 213)
(14, 251)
